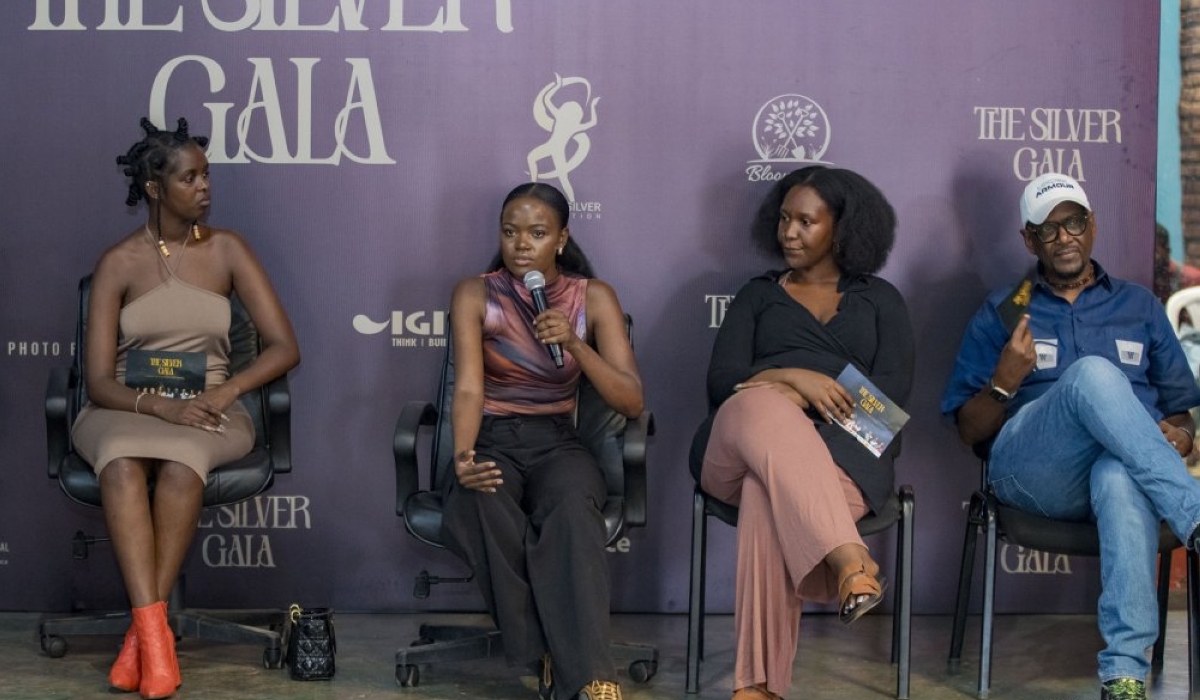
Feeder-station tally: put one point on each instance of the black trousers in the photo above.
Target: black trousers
(536, 546)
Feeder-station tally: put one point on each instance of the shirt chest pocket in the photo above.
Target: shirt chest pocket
(1046, 352)
(1124, 349)
(1129, 352)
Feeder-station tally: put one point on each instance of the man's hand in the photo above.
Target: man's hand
(1179, 438)
(1017, 359)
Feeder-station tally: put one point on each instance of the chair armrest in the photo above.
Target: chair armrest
(58, 430)
(634, 457)
(413, 416)
(279, 422)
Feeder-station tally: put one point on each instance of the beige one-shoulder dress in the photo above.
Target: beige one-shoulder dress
(180, 317)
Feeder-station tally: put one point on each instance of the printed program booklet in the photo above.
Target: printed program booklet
(1015, 305)
(176, 375)
(876, 418)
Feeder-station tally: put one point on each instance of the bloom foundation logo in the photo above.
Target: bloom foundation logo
(788, 130)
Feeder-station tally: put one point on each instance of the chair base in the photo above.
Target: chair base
(229, 626)
(984, 516)
(443, 643)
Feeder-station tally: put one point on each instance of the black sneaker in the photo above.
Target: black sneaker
(1123, 689)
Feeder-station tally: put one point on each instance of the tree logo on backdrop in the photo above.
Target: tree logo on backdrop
(566, 109)
(788, 130)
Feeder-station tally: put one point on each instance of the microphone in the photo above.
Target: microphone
(535, 282)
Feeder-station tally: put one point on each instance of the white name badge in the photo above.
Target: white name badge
(1047, 352)
(1129, 352)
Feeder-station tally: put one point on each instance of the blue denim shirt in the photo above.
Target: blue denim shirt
(1114, 319)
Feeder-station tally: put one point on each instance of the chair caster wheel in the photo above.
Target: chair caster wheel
(272, 658)
(407, 676)
(54, 646)
(642, 671)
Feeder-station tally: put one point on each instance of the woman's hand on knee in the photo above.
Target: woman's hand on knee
(478, 476)
(823, 394)
(197, 413)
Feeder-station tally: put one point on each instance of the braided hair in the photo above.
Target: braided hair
(150, 159)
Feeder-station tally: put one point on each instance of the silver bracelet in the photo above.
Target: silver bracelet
(136, 402)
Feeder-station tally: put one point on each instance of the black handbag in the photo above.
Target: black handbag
(309, 643)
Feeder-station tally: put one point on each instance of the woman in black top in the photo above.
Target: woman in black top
(800, 480)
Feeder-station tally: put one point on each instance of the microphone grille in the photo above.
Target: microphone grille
(534, 280)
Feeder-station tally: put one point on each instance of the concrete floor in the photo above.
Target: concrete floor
(1038, 657)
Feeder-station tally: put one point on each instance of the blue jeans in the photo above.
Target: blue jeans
(1087, 449)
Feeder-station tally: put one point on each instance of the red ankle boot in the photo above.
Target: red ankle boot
(156, 644)
(174, 656)
(126, 673)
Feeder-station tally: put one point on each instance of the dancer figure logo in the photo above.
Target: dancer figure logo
(567, 121)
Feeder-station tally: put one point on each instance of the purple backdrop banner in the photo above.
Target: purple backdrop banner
(363, 148)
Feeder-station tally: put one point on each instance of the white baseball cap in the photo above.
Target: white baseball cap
(1048, 191)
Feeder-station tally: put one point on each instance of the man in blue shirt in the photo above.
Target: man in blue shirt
(1086, 403)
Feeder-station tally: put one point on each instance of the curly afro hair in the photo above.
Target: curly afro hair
(864, 221)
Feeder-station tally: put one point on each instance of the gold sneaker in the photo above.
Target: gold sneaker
(600, 690)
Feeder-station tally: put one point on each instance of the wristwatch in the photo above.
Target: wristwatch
(999, 395)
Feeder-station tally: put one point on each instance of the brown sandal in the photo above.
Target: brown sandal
(755, 692)
(859, 591)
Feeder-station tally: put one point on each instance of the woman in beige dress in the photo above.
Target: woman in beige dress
(165, 287)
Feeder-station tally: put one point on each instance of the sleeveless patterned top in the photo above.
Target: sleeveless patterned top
(519, 378)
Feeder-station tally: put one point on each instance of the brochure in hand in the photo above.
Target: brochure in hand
(1015, 305)
(176, 375)
(876, 418)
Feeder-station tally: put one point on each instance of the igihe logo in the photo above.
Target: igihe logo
(411, 329)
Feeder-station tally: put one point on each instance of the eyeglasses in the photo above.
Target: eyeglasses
(1048, 231)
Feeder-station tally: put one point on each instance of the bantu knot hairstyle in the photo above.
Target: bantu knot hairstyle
(150, 159)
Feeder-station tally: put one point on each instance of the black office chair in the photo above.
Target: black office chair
(898, 511)
(619, 446)
(1016, 527)
(269, 408)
